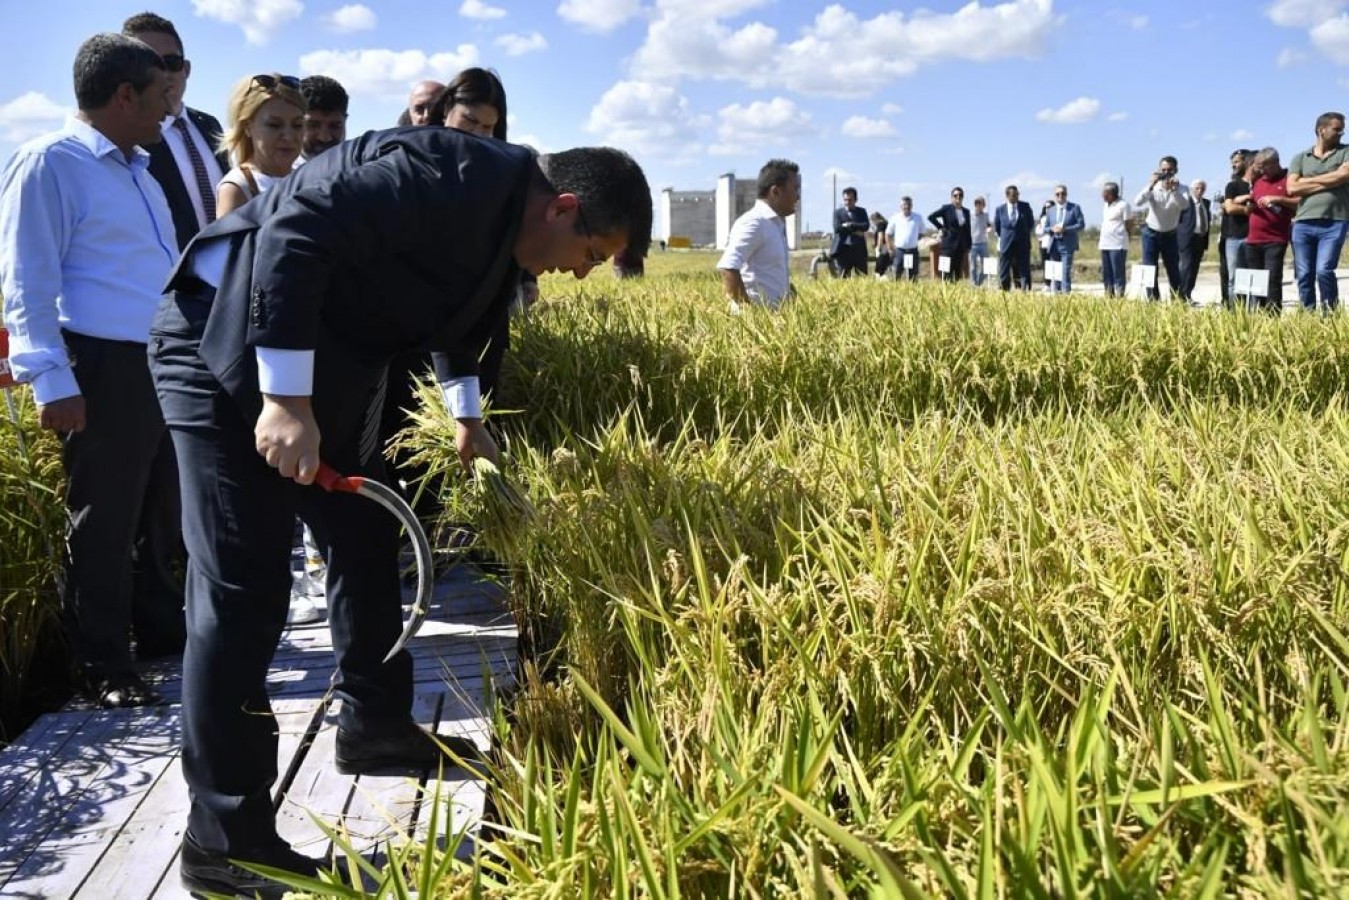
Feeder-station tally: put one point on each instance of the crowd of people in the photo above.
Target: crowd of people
(1264, 209)
(202, 312)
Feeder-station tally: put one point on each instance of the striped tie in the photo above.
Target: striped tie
(198, 170)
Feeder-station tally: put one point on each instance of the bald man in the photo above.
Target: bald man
(419, 103)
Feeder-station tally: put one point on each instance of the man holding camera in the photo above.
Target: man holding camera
(1165, 199)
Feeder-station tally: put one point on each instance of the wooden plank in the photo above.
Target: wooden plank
(94, 778)
(28, 758)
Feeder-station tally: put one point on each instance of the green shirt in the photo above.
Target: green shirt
(1331, 204)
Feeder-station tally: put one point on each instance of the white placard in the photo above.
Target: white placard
(1053, 270)
(944, 264)
(1141, 276)
(1251, 282)
(910, 260)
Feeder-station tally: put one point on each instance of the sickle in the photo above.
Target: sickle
(329, 479)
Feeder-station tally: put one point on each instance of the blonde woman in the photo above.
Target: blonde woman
(266, 131)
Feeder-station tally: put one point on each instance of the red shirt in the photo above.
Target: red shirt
(1270, 226)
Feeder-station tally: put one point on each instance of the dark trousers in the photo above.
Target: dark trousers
(1014, 262)
(1223, 274)
(852, 259)
(238, 516)
(1112, 271)
(1191, 255)
(1268, 257)
(1163, 244)
(122, 497)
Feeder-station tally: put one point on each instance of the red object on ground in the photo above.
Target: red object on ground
(6, 375)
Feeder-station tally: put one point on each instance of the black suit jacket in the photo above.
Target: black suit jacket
(165, 171)
(850, 228)
(398, 240)
(955, 238)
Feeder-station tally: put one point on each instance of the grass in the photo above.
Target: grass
(925, 592)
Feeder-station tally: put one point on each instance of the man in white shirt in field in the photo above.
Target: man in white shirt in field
(755, 266)
(1164, 199)
(906, 229)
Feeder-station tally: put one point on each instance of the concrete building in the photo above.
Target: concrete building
(704, 218)
(688, 214)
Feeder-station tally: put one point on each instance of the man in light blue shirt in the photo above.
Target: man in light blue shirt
(86, 244)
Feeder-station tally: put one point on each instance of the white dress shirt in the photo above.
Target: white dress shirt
(757, 248)
(1114, 225)
(1164, 206)
(905, 231)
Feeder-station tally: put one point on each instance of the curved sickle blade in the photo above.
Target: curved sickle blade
(391, 500)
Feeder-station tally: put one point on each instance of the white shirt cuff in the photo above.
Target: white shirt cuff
(462, 397)
(285, 373)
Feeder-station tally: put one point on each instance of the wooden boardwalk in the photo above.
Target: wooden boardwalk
(93, 804)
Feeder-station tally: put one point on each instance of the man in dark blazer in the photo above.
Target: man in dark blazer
(952, 221)
(1014, 223)
(277, 329)
(187, 163)
(849, 247)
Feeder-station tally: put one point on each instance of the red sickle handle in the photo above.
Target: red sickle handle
(331, 480)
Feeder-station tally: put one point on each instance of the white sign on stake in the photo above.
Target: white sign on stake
(1054, 270)
(910, 260)
(1251, 282)
(944, 264)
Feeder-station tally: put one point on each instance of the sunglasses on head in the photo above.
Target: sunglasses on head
(269, 82)
(174, 62)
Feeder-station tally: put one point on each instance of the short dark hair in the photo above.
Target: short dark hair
(107, 61)
(906, 199)
(471, 87)
(850, 190)
(776, 173)
(1326, 118)
(150, 23)
(323, 94)
(1172, 160)
(612, 189)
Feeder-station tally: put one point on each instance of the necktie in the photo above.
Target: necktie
(198, 170)
(1202, 209)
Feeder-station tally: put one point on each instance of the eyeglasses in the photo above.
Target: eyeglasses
(174, 62)
(269, 82)
(592, 259)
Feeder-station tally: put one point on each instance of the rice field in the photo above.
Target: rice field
(909, 591)
(921, 592)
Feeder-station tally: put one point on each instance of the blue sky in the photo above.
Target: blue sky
(893, 98)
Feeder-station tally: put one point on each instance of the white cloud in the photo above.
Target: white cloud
(602, 16)
(1241, 134)
(1331, 37)
(520, 44)
(1289, 57)
(1117, 117)
(862, 127)
(477, 9)
(1138, 23)
(1028, 182)
(351, 19)
(646, 118)
(763, 123)
(1101, 178)
(1304, 13)
(891, 109)
(30, 115)
(1074, 112)
(259, 19)
(838, 54)
(387, 73)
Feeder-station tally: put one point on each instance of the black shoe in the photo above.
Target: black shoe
(124, 690)
(403, 749)
(206, 871)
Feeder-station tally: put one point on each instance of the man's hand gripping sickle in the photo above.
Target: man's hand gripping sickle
(287, 436)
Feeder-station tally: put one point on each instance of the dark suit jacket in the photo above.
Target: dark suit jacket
(1187, 224)
(846, 232)
(397, 240)
(165, 171)
(955, 238)
(1013, 235)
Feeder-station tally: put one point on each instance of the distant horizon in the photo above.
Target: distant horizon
(882, 96)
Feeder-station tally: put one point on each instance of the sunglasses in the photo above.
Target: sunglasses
(174, 62)
(269, 82)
